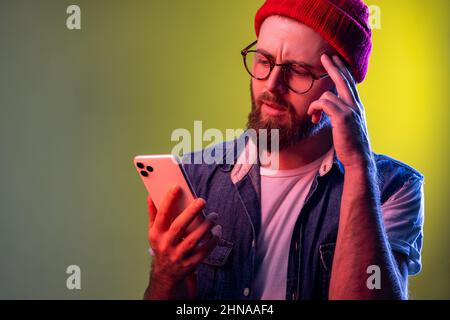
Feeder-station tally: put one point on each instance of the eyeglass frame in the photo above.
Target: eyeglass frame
(283, 66)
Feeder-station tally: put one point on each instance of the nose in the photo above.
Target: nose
(275, 82)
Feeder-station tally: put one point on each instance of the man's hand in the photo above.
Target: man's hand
(346, 112)
(178, 250)
(361, 240)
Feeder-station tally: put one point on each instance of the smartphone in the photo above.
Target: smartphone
(159, 173)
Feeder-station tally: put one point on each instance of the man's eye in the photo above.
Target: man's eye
(300, 71)
(262, 61)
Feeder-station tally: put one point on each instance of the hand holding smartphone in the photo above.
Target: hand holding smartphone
(179, 233)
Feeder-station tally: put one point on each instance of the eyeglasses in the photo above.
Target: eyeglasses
(297, 77)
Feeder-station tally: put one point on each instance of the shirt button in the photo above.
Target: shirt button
(296, 245)
(294, 296)
(246, 292)
(253, 243)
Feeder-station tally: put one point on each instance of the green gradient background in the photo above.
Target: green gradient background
(76, 106)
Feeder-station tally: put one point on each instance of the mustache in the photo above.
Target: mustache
(266, 97)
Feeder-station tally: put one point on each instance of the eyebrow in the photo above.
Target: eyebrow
(300, 63)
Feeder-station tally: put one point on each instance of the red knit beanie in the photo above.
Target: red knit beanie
(344, 24)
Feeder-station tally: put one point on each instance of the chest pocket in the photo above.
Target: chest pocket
(220, 253)
(211, 274)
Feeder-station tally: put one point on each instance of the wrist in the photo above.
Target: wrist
(162, 279)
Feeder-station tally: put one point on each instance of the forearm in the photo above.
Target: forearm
(361, 241)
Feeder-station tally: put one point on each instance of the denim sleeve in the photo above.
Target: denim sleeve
(403, 217)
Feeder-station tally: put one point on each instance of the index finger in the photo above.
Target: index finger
(347, 74)
(342, 84)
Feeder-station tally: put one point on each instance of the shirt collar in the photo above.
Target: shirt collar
(247, 157)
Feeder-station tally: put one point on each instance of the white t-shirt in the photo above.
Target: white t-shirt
(283, 194)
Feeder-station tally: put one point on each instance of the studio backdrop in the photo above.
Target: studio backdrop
(79, 99)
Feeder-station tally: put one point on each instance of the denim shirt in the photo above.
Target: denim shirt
(229, 271)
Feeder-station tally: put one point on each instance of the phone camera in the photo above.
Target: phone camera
(144, 173)
(149, 168)
(140, 165)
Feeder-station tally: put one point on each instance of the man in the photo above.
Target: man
(332, 220)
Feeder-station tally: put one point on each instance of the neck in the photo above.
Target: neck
(303, 152)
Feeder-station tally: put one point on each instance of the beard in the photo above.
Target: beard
(292, 128)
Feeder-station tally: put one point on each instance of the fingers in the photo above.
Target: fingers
(203, 250)
(193, 239)
(343, 68)
(340, 64)
(342, 84)
(151, 211)
(162, 220)
(316, 117)
(328, 95)
(328, 103)
(182, 221)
